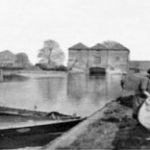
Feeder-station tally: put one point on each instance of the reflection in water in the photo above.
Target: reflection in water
(77, 85)
(81, 87)
(52, 88)
(73, 93)
(97, 89)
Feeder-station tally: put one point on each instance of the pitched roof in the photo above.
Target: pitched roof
(6, 52)
(78, 46)
(7, 56)
(98, 46)
(114, 45)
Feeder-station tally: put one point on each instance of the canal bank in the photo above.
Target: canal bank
(112, 127)
(72, 135)
(97, 132)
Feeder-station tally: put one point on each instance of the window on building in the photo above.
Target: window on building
(117, 58)
(97, 59)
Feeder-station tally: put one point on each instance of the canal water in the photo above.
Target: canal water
(73, 93)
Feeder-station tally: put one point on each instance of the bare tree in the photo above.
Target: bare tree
(46, 52)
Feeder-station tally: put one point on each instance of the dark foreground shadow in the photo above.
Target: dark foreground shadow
(131, 135)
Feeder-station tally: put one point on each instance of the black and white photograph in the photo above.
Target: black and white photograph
(75, 74)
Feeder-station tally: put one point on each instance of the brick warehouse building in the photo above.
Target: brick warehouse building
(109, 55)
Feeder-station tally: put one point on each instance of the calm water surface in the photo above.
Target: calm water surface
(72, 93)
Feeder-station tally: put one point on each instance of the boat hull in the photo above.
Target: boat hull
(34, 135)
(94, 71)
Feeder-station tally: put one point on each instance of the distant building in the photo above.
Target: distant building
(139, 66)
(78, 57)
(7, 58)
(10, 60)
(110, 55)
(98, 56)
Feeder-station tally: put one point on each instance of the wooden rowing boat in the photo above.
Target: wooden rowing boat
(34, 133)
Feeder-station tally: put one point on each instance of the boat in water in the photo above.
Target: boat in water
(31, 132)
(96, 71)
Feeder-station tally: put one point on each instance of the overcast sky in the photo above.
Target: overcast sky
(25, 24)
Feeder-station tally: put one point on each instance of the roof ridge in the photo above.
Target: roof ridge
(78, 46)
(98, 46)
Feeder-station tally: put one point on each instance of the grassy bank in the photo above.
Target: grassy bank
(115, 129)
(33, 74)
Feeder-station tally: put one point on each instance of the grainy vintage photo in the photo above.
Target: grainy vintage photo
(74, 74)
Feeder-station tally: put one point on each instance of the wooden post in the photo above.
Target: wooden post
(1, 75)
